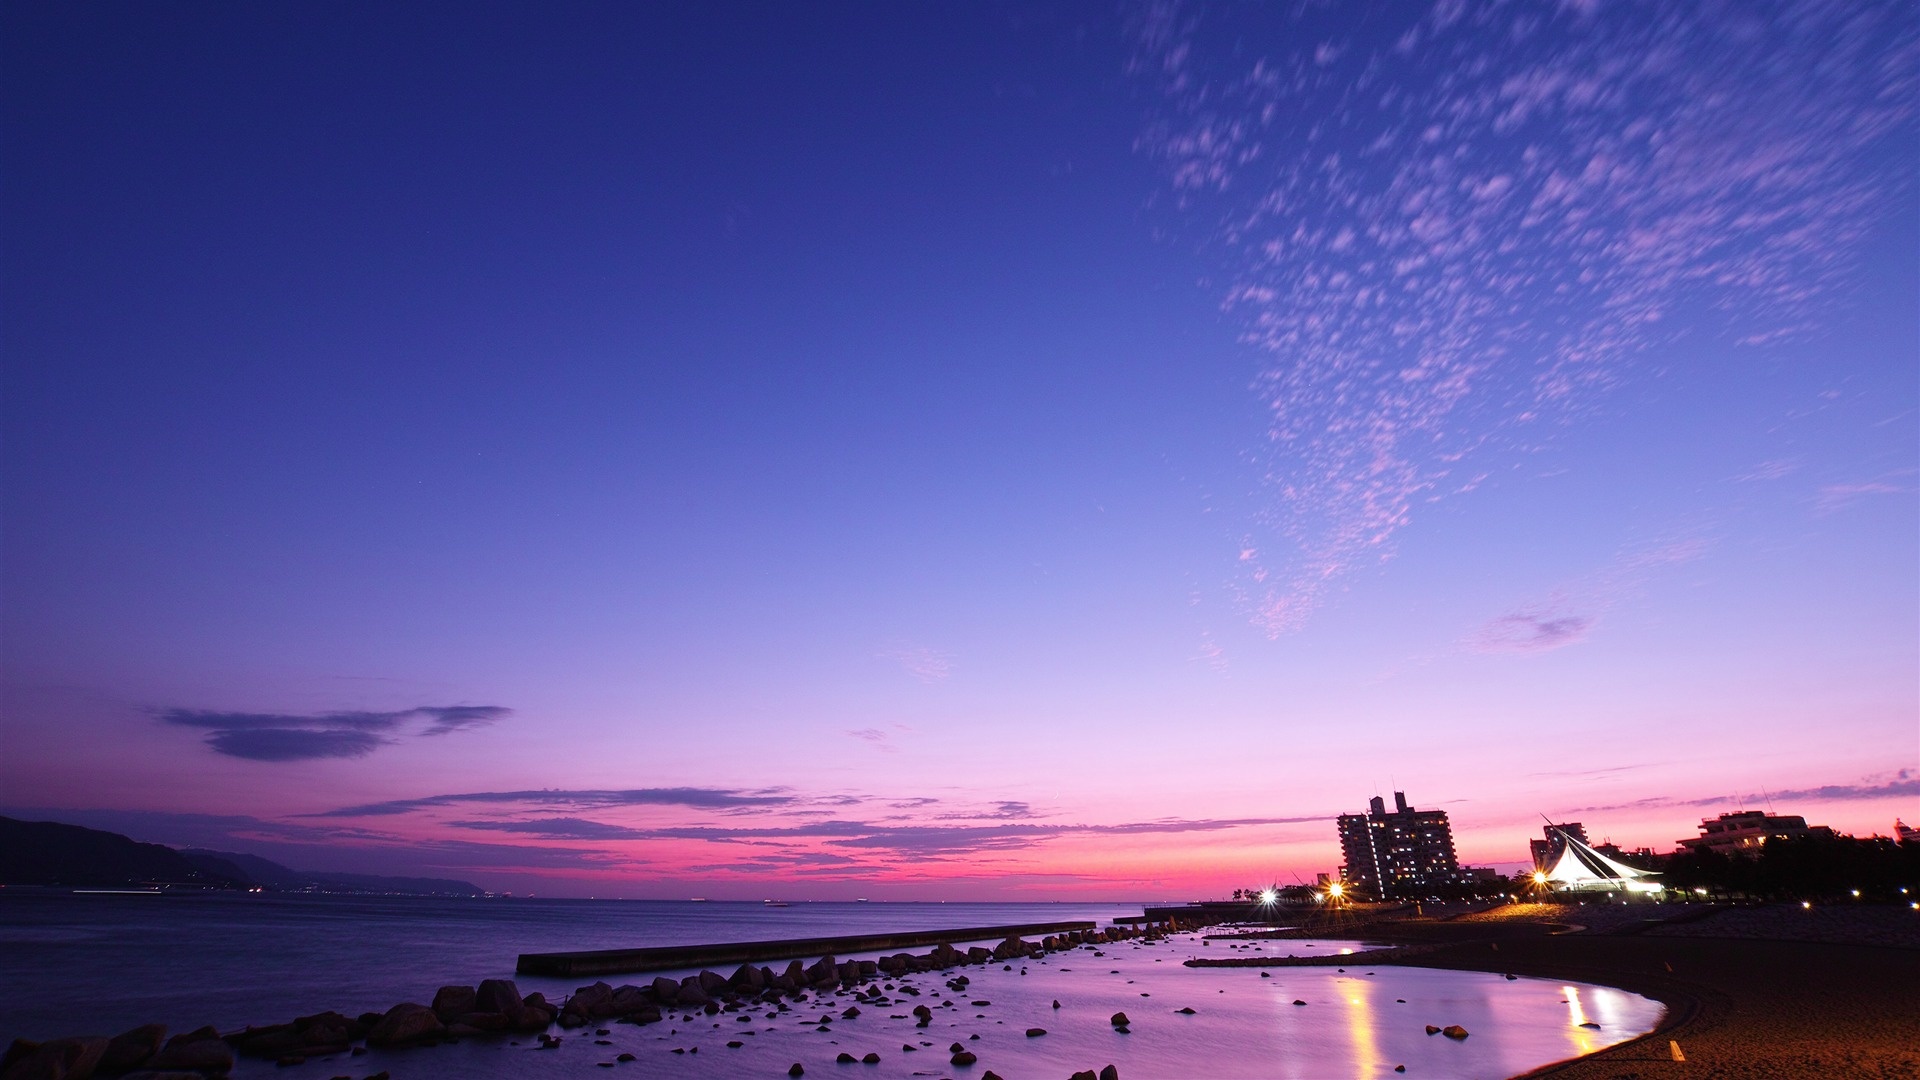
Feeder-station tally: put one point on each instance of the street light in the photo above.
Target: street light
(1268, 896)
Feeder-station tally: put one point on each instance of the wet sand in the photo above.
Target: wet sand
(1739, 1007)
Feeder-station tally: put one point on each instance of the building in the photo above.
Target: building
(1581, 867)
(1746, 832)
(1546, 851)
(1404, 854)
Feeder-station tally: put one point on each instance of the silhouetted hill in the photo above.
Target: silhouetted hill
(272, 875)
(49, 853)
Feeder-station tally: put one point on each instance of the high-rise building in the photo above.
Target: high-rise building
(1404, 854)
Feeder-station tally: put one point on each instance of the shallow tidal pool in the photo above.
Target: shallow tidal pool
(1361, 1022)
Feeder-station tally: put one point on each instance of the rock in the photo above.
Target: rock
(1399, 1068)
(964, 1057)
(127, 1050)
(1266, 974)
(1454, 1031)
(1184, 1012)
(497, 995)
(980, 1004)
(712, 982)
(200, 1055)
(871, 1058)
(1432, 1029)
(1109, 1073)
(453, 1001)
(692, 993)
(404, 1022)
(1034, 1033)
(665, 990)
(991, 1075)
(1119, 1019)
(908, 1048)
(1083, 1074)
(796, 1069)
(846, 1058)
(851, 1012)
(56, 1059)
(625, 1057)
(1297, 1001)
(1056, 1003)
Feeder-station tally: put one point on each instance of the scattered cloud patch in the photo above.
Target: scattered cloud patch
(561, 828)
(1532, 631)
(876, 738)
(305, 737)
(1451, 230)
(927, 665)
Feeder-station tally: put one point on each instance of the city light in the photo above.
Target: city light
(1268, 896)
(1336, 890)
(1539, 877)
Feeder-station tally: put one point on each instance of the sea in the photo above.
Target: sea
(103, 963)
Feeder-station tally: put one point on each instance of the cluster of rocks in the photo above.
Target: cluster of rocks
(145, 1053)
(496, 1007)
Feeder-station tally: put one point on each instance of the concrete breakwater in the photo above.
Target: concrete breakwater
(622, 961)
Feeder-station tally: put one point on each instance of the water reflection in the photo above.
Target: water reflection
(1360, 1021)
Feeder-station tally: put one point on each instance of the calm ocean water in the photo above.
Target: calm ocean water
(101, 964)
(108, 962)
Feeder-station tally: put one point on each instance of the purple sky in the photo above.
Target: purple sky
(955, 451)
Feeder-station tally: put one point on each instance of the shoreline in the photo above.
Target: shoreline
(1739, 1005)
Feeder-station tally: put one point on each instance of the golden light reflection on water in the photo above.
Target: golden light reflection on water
(1360, 1026)
(1576, 1016)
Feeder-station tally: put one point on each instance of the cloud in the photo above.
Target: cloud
(307, 737)
(876, 738)
(927, 665)
(1903, 784)
(920, 840)
(562, 828)
(1450, 232)
(1550, 625)
(701, 798)
(1524, 631)
(294, 744)
(1837, 497)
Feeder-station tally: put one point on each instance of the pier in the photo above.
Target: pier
(622, 961)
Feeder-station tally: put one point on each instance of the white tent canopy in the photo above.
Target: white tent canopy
(1580, 868)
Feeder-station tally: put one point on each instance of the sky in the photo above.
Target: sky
(965, 451)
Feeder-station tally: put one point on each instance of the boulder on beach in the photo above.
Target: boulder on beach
(404, 1022)
(712, 982)
(1433, 1029)
(1454, 1031)
(692, 994)
(1034, 1033)
(964, 1057)
(203, 1055)
(54, 1059)
(1119, 1019)
(1110, 1073)
(666, 991)
(796, 1069)
(497, 995)
(127, 1050)
(450, 1002)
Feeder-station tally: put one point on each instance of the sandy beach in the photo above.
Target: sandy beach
(1785, 993)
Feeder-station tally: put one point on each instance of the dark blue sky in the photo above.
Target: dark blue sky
(879, 403)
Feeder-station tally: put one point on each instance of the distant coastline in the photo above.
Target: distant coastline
(54, 855)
